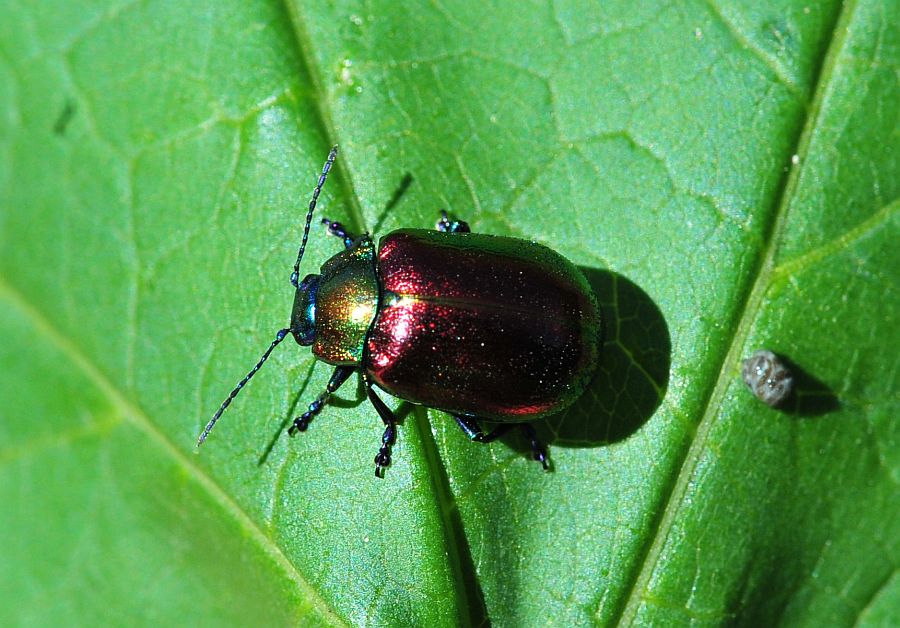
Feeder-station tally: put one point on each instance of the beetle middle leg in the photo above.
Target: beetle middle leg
(451, 226)
(473, 430)
(337, 229)
(383, 457)
(340, 375)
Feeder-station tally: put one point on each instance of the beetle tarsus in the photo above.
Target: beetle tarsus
(340, 375)
(302, 421)
(337, 229)
(383, 458)
(300, 424)
(541, 456)
(538, 452)
(451, 226)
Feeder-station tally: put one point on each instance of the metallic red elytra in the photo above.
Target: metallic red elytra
(479, 326)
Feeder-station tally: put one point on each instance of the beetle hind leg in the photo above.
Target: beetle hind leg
(473, 430)
(451, 226)
(538, 451)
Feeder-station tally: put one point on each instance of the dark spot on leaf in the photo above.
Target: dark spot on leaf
(64, 118)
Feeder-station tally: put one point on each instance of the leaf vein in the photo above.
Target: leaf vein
(139, 419)
(35, 446)
(771, 63)
(844, 241)
(744, 316)
(326, 121)
(451, 527)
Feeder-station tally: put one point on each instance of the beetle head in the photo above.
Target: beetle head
(303, 315)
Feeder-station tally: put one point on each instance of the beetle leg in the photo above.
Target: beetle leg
(383, 458)
(471, 427)
(451, 226)
(538, 451)
(473, 430)
(340, 375)
(337, 229)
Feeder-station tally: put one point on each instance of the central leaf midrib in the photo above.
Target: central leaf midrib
(326, 124)
(758, 283)
(325, 120)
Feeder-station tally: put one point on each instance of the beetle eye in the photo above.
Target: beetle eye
(303, 316)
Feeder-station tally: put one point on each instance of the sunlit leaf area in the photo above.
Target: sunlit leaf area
(724, 174)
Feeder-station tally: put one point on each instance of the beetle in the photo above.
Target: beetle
(478, 326)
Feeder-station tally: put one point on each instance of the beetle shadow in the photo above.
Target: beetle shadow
(811, 396)
(632, 375)
(398, 194)
(64, 118)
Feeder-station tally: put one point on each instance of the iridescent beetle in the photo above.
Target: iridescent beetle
(479, 326)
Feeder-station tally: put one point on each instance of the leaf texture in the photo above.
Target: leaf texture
(726, 175)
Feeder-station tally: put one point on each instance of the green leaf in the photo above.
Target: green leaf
(726, 174)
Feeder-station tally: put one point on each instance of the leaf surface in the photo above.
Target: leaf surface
(725, 175)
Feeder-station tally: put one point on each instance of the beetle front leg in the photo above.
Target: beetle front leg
(473, 430)
(340, 375)
(337, 229)
(451, 226)
(383, 458)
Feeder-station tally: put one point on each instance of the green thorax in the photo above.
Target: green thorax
(346, 304)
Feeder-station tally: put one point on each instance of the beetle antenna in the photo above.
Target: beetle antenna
(212, 422)
(295, 276)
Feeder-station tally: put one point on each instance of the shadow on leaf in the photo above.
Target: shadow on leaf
(292, 411)
(811, 396)
(398, 194)
(633, 371)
